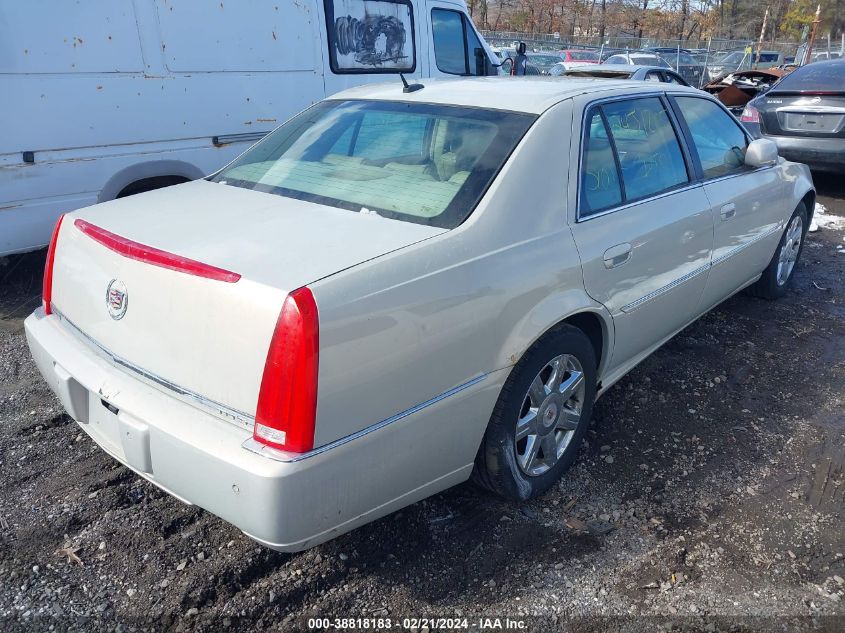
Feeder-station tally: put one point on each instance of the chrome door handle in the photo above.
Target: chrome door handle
(617, 255)
(728, 211)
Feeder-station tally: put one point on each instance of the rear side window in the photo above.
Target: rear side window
(648, 150)
(600, 187)
(717, 137)
(642, 146)
(455, 43)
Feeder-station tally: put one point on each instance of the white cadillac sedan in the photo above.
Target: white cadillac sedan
(397, 291)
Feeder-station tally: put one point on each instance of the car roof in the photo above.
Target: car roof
(532, 94)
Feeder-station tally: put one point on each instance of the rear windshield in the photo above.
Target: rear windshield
(816, 77)
(422, 163)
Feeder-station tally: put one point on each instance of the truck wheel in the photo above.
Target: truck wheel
(540, 417)
(778, 274)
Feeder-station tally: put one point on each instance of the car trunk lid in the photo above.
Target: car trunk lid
(185, 285)
(804, 114)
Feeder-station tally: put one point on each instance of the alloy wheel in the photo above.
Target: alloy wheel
(550, 413)
(789, 251)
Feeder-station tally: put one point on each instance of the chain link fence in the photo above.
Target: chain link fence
(549, 41)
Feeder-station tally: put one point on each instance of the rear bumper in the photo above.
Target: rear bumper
(200, 458)
(819, 153)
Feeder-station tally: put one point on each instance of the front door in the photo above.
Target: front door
(747, 204)
(643, 231)
(455, 48)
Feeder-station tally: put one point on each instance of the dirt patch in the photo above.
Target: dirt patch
(718, 464)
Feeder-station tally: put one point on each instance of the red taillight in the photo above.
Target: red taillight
(287, 401)
(750, 114)
(156, 257)
(47, 288)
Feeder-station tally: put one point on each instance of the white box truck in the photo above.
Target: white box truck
(104, 98)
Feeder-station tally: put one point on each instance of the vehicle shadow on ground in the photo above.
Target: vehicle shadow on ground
(20, 288)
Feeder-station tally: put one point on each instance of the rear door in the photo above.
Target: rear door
(748, 204)
(643, 227)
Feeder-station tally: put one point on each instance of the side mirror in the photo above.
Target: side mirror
(761, 152)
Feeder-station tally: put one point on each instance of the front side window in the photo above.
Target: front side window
(422, 163)
(717, 137)
(456, 45)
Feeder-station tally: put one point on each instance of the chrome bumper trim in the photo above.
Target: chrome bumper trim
(255, 446)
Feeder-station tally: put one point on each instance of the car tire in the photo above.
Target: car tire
(778, 274)
(503, 464)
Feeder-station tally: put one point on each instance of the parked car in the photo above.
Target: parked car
(683, 62)
(580, 56)
(743, 60)
(358, 312)
(605, 52)
(114, 97)
(614, 71)
(638, 59)
(541, 63)
(804, 113)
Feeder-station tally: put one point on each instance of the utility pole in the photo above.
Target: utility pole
(760, 42)
(816, 20)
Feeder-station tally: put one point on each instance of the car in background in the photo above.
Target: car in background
(683, 62)
(604, 53)
(614, 71)
(638, 59)
(541, 63)
(742, 60)
(357, 313)
(581, 56)
(538, 63)
(804, 114)
(825, 55)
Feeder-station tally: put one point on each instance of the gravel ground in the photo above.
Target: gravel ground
(710, 496)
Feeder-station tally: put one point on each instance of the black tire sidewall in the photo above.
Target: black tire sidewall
(768, 285)
(498, 451)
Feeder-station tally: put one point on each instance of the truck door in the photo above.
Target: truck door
(455, 46)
